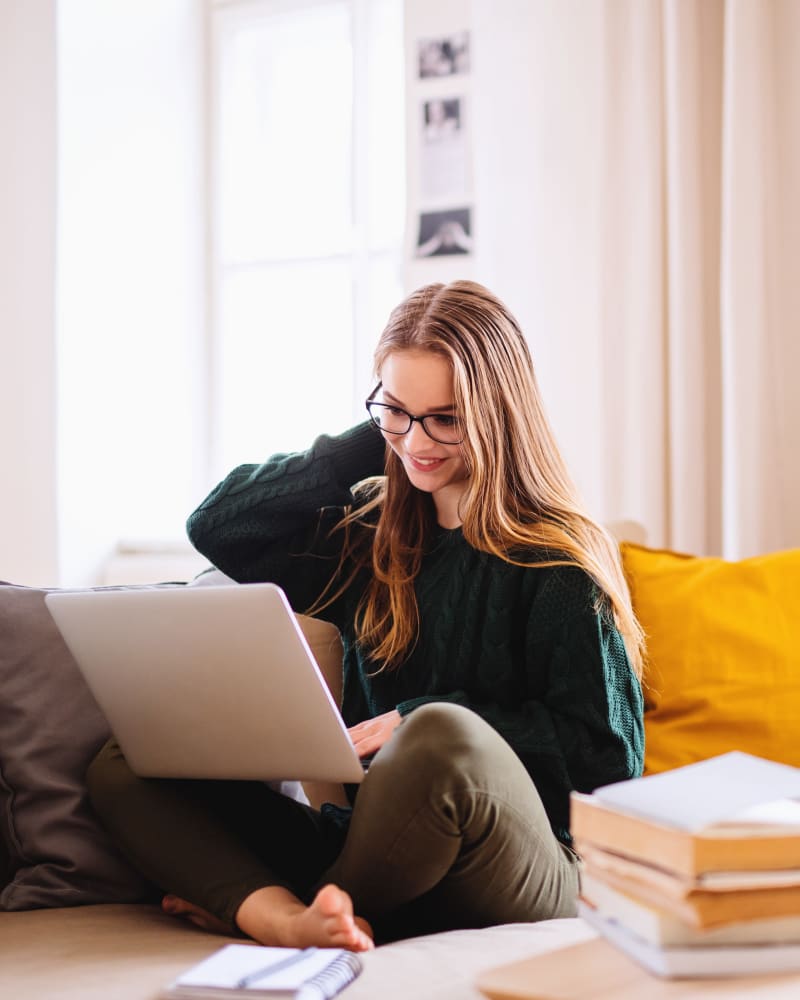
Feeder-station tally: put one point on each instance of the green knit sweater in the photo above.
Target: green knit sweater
(523, 647)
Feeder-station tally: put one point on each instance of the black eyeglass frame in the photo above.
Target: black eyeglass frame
(370, 402)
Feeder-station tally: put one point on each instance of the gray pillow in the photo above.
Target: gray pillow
(57, 853)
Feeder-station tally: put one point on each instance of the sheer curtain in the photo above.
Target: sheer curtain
(656, 149)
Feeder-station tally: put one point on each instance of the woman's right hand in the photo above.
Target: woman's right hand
(368, 737)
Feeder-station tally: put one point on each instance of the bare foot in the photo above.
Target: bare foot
(177, 907)
(274, 916)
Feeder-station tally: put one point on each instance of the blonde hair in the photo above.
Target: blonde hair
(518, 496)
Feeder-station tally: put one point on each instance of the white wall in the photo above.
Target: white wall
(28, 549)
(101, 103)
(534, 96)
(131, 274)
(427, 20)
(131, 245)
(538, 179)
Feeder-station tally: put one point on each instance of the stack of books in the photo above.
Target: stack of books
(696, 872)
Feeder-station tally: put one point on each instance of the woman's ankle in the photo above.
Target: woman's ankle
(266, 915)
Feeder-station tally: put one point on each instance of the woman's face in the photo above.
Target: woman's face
(421, 383)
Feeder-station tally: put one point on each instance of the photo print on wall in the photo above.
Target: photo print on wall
(445, 232)
(441, 118)
(442, 146)
(443, 151)
(444, 56)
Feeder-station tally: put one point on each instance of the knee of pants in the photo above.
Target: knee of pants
(441, 738)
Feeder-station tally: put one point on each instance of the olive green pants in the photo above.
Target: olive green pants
(447, 831)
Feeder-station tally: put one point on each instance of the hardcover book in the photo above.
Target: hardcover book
(689, 900)
(764, 837)
(695, 962)
(658, 927)
(721, 789)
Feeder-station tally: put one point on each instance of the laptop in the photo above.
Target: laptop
(209, 682)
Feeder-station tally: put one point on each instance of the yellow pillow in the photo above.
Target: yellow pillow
(723, 654)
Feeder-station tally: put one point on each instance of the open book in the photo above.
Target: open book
(733, 813)
(722, 789)
(253, 970)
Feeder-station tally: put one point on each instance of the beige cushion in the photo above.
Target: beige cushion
(130, 952)
(326, 645)
(59, 855)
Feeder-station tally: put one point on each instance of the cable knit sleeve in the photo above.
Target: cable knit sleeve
(270, 522)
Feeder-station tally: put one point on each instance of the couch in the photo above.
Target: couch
(724, 661)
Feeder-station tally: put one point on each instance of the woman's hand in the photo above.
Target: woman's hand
(368, 737)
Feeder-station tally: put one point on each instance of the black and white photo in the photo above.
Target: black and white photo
(443, 151)
(444, 233)
(444, 56)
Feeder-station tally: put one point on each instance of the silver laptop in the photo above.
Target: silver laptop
(208, 682)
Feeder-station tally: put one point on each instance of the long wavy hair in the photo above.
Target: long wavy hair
(519, 498)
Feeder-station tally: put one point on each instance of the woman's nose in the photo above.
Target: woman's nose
(416, 437)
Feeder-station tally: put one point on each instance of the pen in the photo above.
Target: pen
(282, 963)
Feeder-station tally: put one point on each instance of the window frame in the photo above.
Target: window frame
(362, 255)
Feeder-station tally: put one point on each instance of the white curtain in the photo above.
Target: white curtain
(638, 205)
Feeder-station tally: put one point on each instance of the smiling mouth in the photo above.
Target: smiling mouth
(425, 463)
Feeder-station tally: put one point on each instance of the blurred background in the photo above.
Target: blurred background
(209, 207)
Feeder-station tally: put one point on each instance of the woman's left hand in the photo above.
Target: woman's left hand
(368, 737)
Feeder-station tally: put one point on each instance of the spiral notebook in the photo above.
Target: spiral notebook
(253, 970)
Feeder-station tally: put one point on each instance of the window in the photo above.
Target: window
(186, 346)
(308, 207)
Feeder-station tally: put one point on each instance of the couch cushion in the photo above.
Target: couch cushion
(55, 852)
(723, 643)
(132, 952)
(59, 854)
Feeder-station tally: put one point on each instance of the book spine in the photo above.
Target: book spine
(709, 909)
(681, 851)
(594, 824)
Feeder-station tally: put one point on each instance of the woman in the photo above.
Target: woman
(492, 658)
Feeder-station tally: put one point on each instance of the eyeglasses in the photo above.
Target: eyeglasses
(444, 428)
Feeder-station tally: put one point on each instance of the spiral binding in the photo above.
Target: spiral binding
(332, 979)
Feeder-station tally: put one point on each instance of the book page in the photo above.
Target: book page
(695, 796)
(781, 814)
